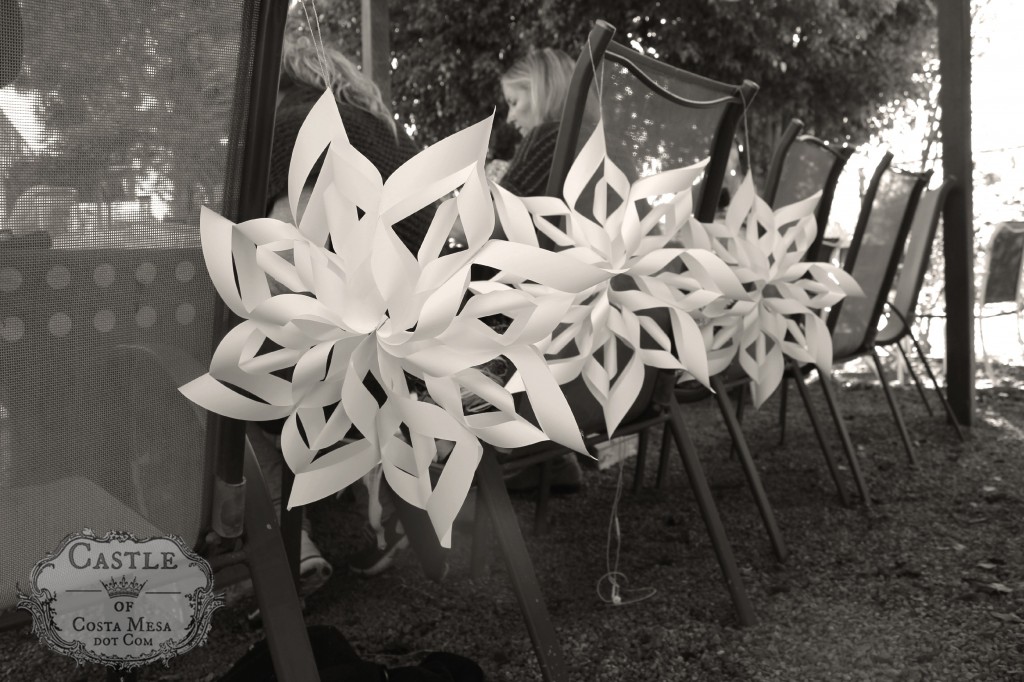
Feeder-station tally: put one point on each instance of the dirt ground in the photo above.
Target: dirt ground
(927, 585)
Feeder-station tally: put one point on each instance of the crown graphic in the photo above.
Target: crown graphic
(123, 587)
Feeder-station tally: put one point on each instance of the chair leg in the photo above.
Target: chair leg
(942, 396)
(273, 583)
(844, 437)
(984, 351)
(481, 539)
(709, 512)
(783, 399)
(741, 400)
(491, 489)
(739, 396)
(663, 456)
(291, 524)
(540, 515)
(641, 460)
(830, 462)
(894, 408)
(749, 470)
(917, 379)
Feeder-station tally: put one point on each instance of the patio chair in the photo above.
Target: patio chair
(656, 118)
(878, 241)
(645, 105)
(802, 165)
(807, 165)
(1001, 282)
(797, 170)
(902, 303)
(100, 326)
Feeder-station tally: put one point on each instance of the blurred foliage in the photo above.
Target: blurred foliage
(136, 98)
(133, 99)
(832, 63)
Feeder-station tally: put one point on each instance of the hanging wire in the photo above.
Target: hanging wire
(615, 578)
(746, 134)
(318, 42)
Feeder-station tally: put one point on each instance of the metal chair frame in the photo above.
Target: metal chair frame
(867, 346)
(903, 302)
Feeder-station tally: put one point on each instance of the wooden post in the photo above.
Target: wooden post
(958, 215)
(377, 45)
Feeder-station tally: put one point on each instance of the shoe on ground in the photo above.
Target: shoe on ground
(566, 477)
(377, 557)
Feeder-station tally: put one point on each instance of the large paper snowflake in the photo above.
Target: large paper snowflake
(360, 314)
(772, 308)
(625, 229)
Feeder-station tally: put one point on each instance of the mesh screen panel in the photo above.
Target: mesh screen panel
(124, 120)
(880, 244)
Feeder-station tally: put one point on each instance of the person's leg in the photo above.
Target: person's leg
(384, 542)
(314, 570)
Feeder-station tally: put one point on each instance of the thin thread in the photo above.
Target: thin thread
(746, 133)
(614, 577)
(318, 42)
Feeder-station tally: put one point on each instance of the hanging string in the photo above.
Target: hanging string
(318, 42)
(615, 578)
(746, 133)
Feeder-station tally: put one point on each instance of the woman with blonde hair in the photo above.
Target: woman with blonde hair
(535, 88)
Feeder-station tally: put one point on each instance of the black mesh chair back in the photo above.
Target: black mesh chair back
(807, 166)
(779, 154)
(910, 276)
(878, 241)
(129, 118)
(656, 117)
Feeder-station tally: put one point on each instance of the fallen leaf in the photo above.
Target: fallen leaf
(988, 489)
(1008, 617)
(986, 566)
(999, 588)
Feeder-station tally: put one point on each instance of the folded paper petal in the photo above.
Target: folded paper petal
(775, 311)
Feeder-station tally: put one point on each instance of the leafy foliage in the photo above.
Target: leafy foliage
(132, 98)
(832, 63)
